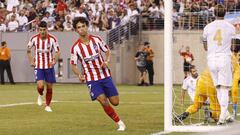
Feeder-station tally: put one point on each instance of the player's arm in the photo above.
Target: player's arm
(183, 96)
(180, 50)
(57, 53)
(104, 47)
(56, 57)
(204, 39)
(30, 58)
(106, 62)
(205, 45)
(184, 89)
(77, 72)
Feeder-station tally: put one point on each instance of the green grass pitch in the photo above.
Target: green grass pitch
(141, 108)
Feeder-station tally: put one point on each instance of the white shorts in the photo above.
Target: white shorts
(221, 70)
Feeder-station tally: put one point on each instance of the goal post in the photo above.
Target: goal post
(168, 83)
(168, 79)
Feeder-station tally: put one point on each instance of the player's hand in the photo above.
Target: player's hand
(104, 64)
(81, 78)
(33, 64)
(52, 63)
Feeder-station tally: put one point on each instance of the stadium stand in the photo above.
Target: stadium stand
(106, 14)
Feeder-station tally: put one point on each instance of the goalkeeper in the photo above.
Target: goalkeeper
(205, 89)
(236, 75)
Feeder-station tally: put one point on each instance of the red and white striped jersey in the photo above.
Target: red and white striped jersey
(91, 58)
(43, 49)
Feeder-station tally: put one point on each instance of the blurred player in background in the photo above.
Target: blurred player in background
(189, 84)
(43, 62)
(87, 49)
(187, 60)
(236, 75)
(217, 42)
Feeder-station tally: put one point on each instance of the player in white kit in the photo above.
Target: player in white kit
(217, 42)
(189, 84)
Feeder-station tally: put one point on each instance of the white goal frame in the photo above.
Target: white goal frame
(168, 77)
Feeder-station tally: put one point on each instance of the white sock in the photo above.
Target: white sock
(223, 103)
(120, 122)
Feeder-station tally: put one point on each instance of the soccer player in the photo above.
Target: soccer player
(189, 84)
(236, 75)
(43, 62)
(217, 42)
(205, 90)
(88, 50)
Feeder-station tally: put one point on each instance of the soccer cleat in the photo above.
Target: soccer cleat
(181, 117)
(121, 126)
(229, 119)
(40, 100)
(48, 109)
(207, 115)
(220, 122)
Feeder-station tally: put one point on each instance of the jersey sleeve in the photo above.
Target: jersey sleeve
(74, 57)
(56, 46)
(103, 46)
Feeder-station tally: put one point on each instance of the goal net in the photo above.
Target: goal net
(176, 38)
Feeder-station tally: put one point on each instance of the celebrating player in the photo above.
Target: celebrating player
(43, 62)
(217, 42)
(87, 49)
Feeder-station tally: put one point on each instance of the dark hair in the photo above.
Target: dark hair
(3, 43)
(192, 67)
(146, 43)
(81, 20)
(220, 10)
(43, 24)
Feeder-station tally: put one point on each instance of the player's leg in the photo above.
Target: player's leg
(39, 76)
(49, 97)
(225, 82)
(102, 99)
(112, 95)
(234, 93)
(214, 105)
(50, 79)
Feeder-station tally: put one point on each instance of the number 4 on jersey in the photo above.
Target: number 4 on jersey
(218, 37)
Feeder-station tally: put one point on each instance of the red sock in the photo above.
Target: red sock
(40, 90)
(111, 113)
(48, 96)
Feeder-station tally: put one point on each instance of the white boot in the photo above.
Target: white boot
(48, 109)
(121, 126)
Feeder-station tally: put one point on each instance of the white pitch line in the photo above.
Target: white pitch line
(81, 102)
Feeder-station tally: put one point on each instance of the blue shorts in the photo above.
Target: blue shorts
(48, 75)
(104, 86)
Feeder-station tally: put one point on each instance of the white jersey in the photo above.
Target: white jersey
(218, 35)
(43, 50)
(91, 58)
(189, 84)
